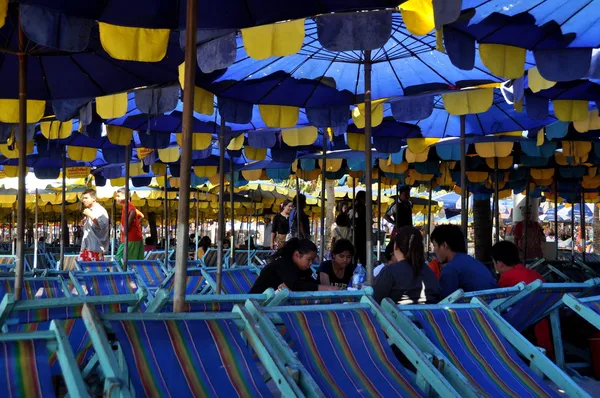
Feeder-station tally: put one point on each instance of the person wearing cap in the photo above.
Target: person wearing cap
(400, 213)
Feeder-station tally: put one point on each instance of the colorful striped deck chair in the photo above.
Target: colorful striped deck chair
(70, 262)
(36, 288)
(242, 258)
(108, 284)
(538, 300)
(490, 296)
(25, 363)
(188, 355)
(342, 350)
(156, 255)
(151, 272)
(7, 262)
(210, 257)
(163, 301)
(195, 282)
(287, 297)
(98, 266)
(485, 348)
(261, 257)
(238, 280)
(190, 264)
(588, 308)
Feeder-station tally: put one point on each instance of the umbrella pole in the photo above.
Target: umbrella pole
(397, 203)
(464, 215)
(323, 168)
(582, 217)
(429, 216)
(197, 222)
(35, 232)
(113, 227)
(353, 211)
(22, 144)
(525, 251)
(556, 217)
(63, 208)
(573, 225)
(298, 205)
(369, 169)
(378, 216)
(166, 220)
(496, 200)
(221, 228)
(126, 209)
(231, 199)
(12, 230)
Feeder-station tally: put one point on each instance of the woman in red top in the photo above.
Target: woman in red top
(135, 239)
(507, 263)
(535, 237)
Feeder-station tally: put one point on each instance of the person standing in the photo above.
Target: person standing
(267, 232)
(359, 214)
(95, 240)
(400, 213)
(301, 231)
(132, 216)
(535, 236)
(281, 225)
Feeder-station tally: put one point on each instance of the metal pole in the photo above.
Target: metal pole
(166, 221)
(231, 200)
(496, 200)
(114, 227)
(582, 216)
(297, 205)
(22, 143)
(354, 211)
(464, 215)
(573, 197)
(63, 208)
(12, 230)
(368, 169)
(556, 215)
(126, 208)
(323, 204)
(197, 221)
(35, 231)
(429, 216)
(526, 251)
(379, 216)
(221, 228)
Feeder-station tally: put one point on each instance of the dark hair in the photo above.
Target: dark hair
(451, 235)
(404, 188)
(284, 203)
(301, 246)
(205, 243)
(389, 251)
(149, 241)
(361, 196)
(410, 242)
(342, 220)
(300, 200)
(90, 192)
(507, 252)
(342, 245)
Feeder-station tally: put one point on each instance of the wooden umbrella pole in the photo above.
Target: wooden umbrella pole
(368, 171)
(464, 215)
(221, 227)
(126, 209)
(496, 201)
(231, 199)
(35, 232)
(63, 209)
(323, 169)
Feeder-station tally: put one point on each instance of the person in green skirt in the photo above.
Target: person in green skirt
(135, 239)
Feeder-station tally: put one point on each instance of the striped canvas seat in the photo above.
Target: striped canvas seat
(70, 262)
(237, 280)
(487, 296)
(151, 272)
(191, 358)
(261, 257)
(97, 266)
(194, 282)
(25, 369)
(347, 354)
(203, 307)
(242, 258)
(474, 345)
(210, 258)
(156, 255)
(34, 288)
(108, 284)
(8, 260)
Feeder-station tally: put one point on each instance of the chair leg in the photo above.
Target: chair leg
(559, 353)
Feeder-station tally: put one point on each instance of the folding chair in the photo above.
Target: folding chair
(26, 364)
(187, 355)
(490, 296)
(210, 258)
(588, 308)
(482, 346)
(151, 272)
(261, 257)
(36, 287)
(98, 266)
(163, 301)
(7, 262)
(341, 350)
(70, 262)
(238, 280)
(109, 284)
(243, 258)
(287, 297)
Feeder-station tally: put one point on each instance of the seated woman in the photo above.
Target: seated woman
(290, 269)
(409, 280)
(338, 271)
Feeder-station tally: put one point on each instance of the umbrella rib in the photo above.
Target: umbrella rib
(320, 81)
(513, 119)
(394, 71)
(45, 77)
(98, 86)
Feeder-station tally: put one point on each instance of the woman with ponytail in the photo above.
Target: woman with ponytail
(409, 280)
(290, 269)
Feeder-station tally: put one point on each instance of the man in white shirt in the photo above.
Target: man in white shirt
(95, 224)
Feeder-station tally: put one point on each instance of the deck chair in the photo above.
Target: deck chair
(490, 296)
(210, 257)
(156, 255)
(151, 272)
(187, 355)
(189, 263)
(195, 282)
(484, 347)
(26, 364)
(7, 262)
(242, 258)
(108, 284)
(238, 280)
(287, 297)
(70, 262)
(36, 287)
(341, 350)
(43, 261)
(261, 257)
(163, 301)
(588, 308)
(98, 266)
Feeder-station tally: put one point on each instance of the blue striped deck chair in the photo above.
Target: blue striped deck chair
(485, 348)
(163, 301)
(7, 262)
(287, 297)
(25, 364)
(108, 284)
(343, 350)
(151, 272)
(238, 280)
(210, 258)
(97, 266)
(189, 263)
(195, 282)
(588, 308)
(242, 258)
(538, 300)
(70, 262)
(36, 287)
(261, 257)
(491, 296)
(188, 355)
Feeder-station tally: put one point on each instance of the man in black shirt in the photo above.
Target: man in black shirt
(400, 213)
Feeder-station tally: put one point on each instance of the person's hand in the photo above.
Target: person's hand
(88, 213)
(281, 287)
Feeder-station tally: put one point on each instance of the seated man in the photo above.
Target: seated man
(507, 262)
(459, 270)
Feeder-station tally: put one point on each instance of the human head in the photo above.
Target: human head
(267, 220)
(408, 244)
(226, 244)
(361, 197)
(505, 255)
(302, 252)
(344, 208)
(300, 201)
(88, 198)
(121, 196)
(342, 253)
(286, 207)
(205, 242)
(404, 193)
(149, 241)
(389, 253)
(447, 240)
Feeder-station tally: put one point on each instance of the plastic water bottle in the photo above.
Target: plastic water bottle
(358, 278)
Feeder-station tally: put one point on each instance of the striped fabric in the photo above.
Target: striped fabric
(474, 345)
(594, 306)
(96, 266)
(33, 288)
(25, 370)
(194, 282)
(7, 260)
(150, 271)
(200, 358)
(203, 307)
(534, 306)
(322, 301)
(487, 297)
(347, 354)
(69, 263)
(237, 281)
(107, 285)
(591, 292)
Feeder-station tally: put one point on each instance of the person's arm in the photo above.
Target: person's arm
(449, 281)
(383, 284)
(101, 222)
(131, 219)
(89, 213)
(139, 214)
(324, 278)
(290, 275)
(273, 235)
(390, 215)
